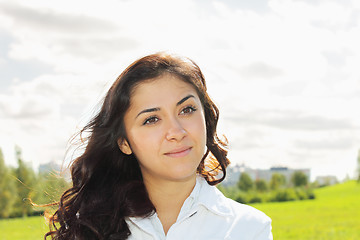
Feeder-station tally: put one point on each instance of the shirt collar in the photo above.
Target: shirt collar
(212, 199)
(202, 195)
(147, 223)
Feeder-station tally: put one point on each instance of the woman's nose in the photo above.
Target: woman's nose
(175, 131)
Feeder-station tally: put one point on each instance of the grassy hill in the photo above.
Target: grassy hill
(30, 228)
(334, 214)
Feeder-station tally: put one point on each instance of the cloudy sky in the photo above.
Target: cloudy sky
(284, 73)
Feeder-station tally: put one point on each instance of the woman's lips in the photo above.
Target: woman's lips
(179, 152)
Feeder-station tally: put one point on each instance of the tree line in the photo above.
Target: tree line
(21, 186)
(276, 190)
(22, 189)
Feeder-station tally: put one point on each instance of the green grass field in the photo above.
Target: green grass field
(334, 214)
(30, 228)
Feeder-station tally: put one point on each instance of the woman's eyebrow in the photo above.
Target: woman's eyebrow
(158, 109)
(148, 110)
(184, 99)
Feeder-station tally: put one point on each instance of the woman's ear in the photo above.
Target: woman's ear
(124, 146)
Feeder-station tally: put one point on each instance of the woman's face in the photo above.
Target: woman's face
(165, 127)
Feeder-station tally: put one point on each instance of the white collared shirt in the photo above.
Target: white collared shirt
(206, 214)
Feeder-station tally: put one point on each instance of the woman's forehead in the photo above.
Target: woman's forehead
(167, 88)
(156, 85)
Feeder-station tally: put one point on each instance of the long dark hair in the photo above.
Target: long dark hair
(107, 184)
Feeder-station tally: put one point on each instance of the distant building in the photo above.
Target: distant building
(287, 172)
(233, 173)
(326, 180)
(55, 168)
(49, 167)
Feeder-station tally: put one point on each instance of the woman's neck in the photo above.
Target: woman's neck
(168, 198)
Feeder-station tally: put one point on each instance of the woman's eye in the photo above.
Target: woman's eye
(188, 110)
(150, 120)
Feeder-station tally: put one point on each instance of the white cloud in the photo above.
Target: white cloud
(285, 74)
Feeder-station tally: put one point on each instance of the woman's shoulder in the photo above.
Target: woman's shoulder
(249, 221)
(239, 219)
(247, 212)
(215, 200)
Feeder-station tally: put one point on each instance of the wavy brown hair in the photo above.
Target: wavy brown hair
(107, 184)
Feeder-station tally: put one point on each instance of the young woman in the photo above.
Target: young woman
(151, 159)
